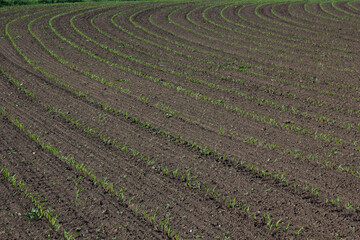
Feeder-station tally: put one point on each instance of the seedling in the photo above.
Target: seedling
(277, 223)
(11, 151)
(77, 196)
(232, 203)
(298, 231)
(287, 227)
(34, 214)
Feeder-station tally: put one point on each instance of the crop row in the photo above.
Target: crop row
(323, 118)
(297, 84)
(312, 88)
(347, 125)
(41, 210)
(316, 116)
(87, 172)
(191, 181)
(203, 150)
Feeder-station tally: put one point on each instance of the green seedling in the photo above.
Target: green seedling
(34, 214)
(298, 231)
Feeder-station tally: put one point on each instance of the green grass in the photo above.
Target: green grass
(31, 2)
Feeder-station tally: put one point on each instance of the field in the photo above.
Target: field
(180, 120)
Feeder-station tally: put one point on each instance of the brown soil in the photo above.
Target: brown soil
(168, 80)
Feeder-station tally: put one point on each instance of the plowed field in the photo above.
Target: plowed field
(180, 120)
